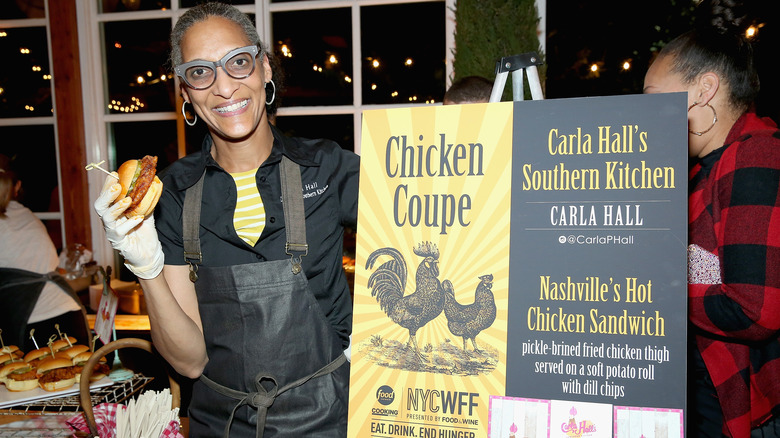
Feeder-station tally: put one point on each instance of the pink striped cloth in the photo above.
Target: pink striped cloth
(105, 420)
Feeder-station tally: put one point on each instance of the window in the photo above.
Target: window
(27, 110)
(338, 57)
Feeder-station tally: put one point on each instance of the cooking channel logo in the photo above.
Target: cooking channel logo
(385, 395)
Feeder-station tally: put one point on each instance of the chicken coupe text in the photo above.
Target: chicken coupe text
(403, 160)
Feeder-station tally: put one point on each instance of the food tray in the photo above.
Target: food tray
(116, 392)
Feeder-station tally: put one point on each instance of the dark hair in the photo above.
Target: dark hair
(469, 89)
(718, 44)
(204, 11)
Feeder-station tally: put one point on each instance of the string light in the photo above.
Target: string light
(375, 63)
(24, 51)
(626, 65)
(408, 62)
(751, 32)
(135, 105)
(333, 59)
(3, 33)
(286, 52)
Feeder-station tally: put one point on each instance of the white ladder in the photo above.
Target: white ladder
(516, 64)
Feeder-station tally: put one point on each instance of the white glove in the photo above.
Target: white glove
(138, 244)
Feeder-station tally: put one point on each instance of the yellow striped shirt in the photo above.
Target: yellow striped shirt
(249, 217)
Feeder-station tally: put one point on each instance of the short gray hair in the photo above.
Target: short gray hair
(201, 13)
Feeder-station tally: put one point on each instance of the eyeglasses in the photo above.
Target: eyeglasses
(238, 64)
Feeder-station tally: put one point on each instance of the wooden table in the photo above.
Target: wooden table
(125, 322)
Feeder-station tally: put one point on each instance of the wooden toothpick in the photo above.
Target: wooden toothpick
(91, 166)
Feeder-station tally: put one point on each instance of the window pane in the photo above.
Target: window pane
(403, 66)
(25, 78)
(133, 140)
(136, 66)
(35, 160)
(10, 9)
(334, 127)
(133, 5)
(191, 3)
(315, 51)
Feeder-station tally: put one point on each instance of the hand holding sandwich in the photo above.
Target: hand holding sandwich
(129, 224)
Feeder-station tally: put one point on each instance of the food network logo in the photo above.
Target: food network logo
(385, 395)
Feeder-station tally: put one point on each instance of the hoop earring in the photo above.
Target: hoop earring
(714, 119)
(273, 95)
(184, 114)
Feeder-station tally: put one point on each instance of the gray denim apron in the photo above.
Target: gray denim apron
(276, 365)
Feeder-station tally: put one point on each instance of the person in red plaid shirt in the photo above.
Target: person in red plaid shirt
(734, 229)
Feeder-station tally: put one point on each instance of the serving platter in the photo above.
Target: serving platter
(11, 398)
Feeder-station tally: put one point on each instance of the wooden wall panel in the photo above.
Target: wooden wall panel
(70, 120)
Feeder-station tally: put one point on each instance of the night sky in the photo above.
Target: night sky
(609, 32)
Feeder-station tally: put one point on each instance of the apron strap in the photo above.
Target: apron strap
(190, 226)
(294, 218)
(263, 398)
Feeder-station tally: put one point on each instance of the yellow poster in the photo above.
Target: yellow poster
(432, 271)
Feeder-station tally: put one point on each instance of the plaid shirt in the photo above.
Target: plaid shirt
(734, 213)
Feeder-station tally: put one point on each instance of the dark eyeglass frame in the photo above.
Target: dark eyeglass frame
(181, 69)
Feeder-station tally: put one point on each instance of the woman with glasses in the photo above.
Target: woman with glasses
(733, 227)
(241, 265)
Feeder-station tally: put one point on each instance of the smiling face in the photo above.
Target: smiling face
(232, 108)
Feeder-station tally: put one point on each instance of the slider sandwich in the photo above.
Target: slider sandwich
(56, 374)
(139, 181)
(100, 370)
(19, 376)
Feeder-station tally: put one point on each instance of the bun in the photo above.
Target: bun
(58, 385)
(40, 353)
(62, 344)
(56, 373)
(101, 368)
(53, 363)
(11, 367)
(149, 201)
(75, 350)
(21, 385)
(11, 349)
(139, 181)
(6, 358)
(19, 376)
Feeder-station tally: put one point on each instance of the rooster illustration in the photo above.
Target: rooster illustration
(468, 320)
(388, 284)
